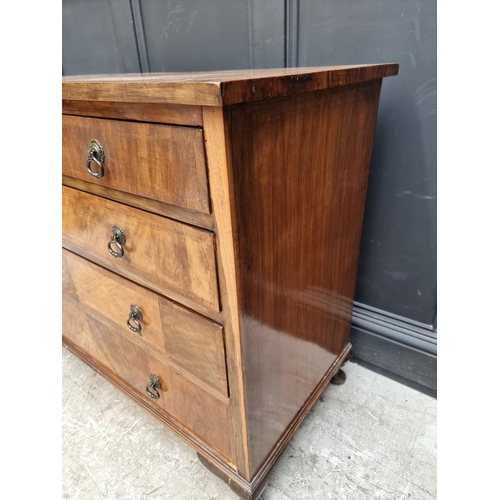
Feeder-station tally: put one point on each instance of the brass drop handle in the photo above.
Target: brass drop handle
(153, 386)
(95, 154)
(134, 319)
(117, 240)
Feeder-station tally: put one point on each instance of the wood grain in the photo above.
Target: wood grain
(171, 423)
(299, 417)
(177, 257)
(300, 170)
(161, 162)
(183, 338)
(288, 154)
(252, 489)
(143, 112)
(219, 158)
(193, 407)
(218, 88)
(204, 221)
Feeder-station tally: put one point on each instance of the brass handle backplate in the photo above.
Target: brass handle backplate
(95, 154)
(116, 240)
(134, 319)
(153, 386)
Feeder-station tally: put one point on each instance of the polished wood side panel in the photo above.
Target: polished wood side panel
(219, 88)
(252, 489)
(300, 169)
(219, 158)
(178, 258)
(161, 162)
(197, 410)
(157, 207)
(184, 339)
(299, 417)
(143, 112)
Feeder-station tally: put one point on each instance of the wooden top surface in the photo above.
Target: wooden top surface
(218, 88)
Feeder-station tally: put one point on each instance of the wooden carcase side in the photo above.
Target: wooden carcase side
(300, 169)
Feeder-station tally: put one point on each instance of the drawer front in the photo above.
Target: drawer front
(132, 366)
(162, 162)
(173, 258)
(187, 340)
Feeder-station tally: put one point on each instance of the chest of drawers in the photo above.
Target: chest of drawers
(211, 231)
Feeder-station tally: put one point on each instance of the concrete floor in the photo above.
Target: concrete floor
(371, 438)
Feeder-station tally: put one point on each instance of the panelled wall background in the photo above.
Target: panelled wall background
(394, 322)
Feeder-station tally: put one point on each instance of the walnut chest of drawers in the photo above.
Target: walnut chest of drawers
(211, 231)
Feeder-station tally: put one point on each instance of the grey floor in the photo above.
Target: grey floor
(371, 438)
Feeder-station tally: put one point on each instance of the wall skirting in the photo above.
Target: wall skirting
(388, 325)
(395, 346)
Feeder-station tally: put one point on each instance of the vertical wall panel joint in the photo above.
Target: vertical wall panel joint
(291, 33)
(140, 35)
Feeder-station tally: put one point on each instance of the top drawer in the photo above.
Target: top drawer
(161, 162)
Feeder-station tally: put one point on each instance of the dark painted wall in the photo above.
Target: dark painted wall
(98, 37)
(397, 270)
(199, 35)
